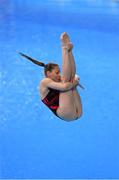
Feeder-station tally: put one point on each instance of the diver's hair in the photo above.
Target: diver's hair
(47, 67)
(32, 60)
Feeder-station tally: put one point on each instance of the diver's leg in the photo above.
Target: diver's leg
(77, 102)
(66, 63)
(66, 109)
(72, 62)
(66, 66)
(76, 96)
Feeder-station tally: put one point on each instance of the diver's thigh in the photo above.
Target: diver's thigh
(66, 100)
(66, 108)
(77, 101)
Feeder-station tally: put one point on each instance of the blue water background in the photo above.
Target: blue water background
(33, 142)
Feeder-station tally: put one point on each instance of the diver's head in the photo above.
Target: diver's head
(52, 71)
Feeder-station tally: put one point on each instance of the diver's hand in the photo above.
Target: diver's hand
(75, 82)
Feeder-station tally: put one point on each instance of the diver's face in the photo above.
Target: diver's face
(54, 74)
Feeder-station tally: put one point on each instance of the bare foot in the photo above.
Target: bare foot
(65, 38)
(66, 41)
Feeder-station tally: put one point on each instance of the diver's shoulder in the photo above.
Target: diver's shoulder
(45, 81)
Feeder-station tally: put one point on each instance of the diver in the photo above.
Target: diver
(59, 92)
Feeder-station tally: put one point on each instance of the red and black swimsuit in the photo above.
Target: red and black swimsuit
(52, 100)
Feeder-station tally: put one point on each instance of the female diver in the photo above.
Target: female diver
(59, 92)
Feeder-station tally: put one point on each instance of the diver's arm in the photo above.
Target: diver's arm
(59, 85)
